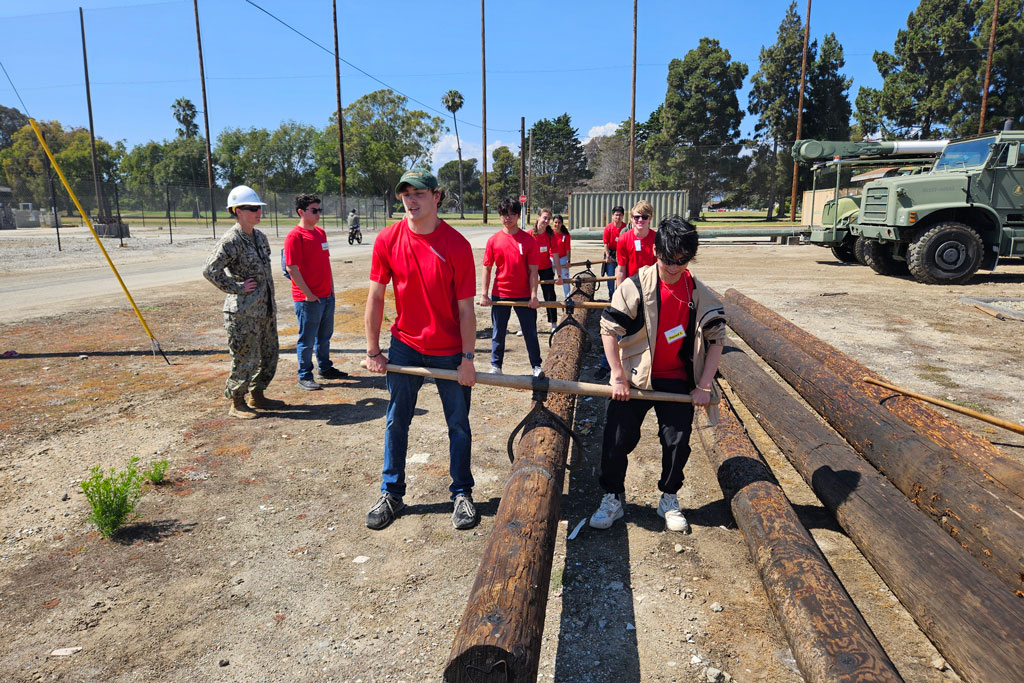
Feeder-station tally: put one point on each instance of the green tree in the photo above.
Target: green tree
(826, 101)
(185, 115)
(1007, 77)
(697, 147)
(469, 180)
(11, 120)
(559, 164)
(183, 167)
(293, 159)
(452, 101)
(245, 158)
(139, 173)
(774, 94)
(928, 77)
(503, 178)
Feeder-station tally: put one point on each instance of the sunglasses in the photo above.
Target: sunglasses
(319, 210)
(680, 262)
(641, 217)
(254, 209)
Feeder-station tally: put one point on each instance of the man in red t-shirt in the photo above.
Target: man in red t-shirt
(308, 263)
(635, 247)
(430, 266)
(514, 253)
(610, 238)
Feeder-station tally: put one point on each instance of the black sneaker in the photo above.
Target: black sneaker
(309, 385)
(384, 511)
(333, 373)
(465, 515)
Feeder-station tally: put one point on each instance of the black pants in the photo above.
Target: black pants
(549, 292)
(622, 434)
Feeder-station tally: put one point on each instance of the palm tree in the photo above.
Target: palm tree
(185, 114)
(452, 101)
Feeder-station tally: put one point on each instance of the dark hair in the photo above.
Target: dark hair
(675, 237)
(619, 209)
(509, 206)
(303, 201)
(547, 228)
(558, 217)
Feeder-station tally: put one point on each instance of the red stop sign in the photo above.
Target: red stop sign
(522, 198)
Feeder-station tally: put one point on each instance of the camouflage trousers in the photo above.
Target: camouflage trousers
(252, 342)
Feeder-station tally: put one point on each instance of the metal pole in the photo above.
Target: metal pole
(170, 228)
(483, 81)
(632, 108)
(53, 200)
(92, 134)
(988, 66)
(529, 178)
(117, 205)
(341, 119)
(142, 203)
(275, 216)
(206, 121)
(800, 112)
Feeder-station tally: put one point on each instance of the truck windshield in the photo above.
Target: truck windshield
(963, 154)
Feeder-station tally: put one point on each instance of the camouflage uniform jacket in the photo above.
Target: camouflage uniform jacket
(236, 258)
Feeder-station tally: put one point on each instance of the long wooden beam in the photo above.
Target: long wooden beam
(966, 611)
(499, 636)
(579, 280)
(828, 636)
(595, 305)
(986, 519)
(992, 420)
(964, 445)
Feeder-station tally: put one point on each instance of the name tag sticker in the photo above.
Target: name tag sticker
(520, 245)
(637, 246)
(543, 249)
(323, 245)
(675, 334)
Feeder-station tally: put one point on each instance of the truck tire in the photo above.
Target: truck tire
(858, 250)
(844, 252)
(948, 253)
(879, 258)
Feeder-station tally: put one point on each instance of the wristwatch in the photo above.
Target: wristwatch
(468, 356)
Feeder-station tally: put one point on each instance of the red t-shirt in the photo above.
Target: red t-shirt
(430, 274)
(545, 241)
(513, 255)
(560, 244)
(631, 255)
(673, 316)
(610, 236)
(307, 249)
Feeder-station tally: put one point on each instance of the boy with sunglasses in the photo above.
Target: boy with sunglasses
(308, 262)
(688, 323)
(635, 247)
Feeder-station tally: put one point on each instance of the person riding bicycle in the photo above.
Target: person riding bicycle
(353, 219)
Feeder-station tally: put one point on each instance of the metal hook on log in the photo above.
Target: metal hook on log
(569, 321)
(540, 395)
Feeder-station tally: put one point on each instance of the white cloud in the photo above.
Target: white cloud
(600, 131)
(446, 150)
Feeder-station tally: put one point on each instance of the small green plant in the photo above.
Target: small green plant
(156, 472)
(113, 496)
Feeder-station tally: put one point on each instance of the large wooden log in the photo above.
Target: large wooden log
(986, 519)
(964, 445)
(828, 636)
(499, 636)
(966, 611)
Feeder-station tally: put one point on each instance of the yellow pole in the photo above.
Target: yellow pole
(85, 217)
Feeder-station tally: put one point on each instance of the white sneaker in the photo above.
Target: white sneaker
(538, 371)
(519, 333)
(554, 326)
(668, 509)
(495, 370)
(609, 511)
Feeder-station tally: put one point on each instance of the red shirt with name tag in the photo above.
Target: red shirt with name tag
(430, 274)
(561, 244)
(307, 249)
(673, 316)
(633, 253)
(512, 255)
(544, 242)
(610, 236)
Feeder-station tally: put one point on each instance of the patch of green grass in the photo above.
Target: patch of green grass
(113, 496)
(556, 580)
(156, 472)
(939, 378)
(972, 405)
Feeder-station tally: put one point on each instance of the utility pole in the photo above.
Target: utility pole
(483, 73)
(529, 178)
(800, 112)
(92, 135)
(206, 122)
(341, 119)
(632, 108)
(522, 155)
(988, 67)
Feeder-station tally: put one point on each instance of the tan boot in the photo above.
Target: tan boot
(240, 409)
(260, 402)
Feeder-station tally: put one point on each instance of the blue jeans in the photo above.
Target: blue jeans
(609, 269)
(316, 325)
(499, 328)
(563, 262)
(454, 401)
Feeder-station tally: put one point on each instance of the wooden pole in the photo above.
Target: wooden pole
(632, 108)
(522, 159)
(586, 263)
(1005, 424)
(988, 66)
(966, 611)
(341, 117)
(499, 635)
(206, 122)
(554, 304)
(529, 177)
(100, 216)
(828, 636)
(483, 103)
(964, 445)
(986, 519)
(800, 111)
(579, 280)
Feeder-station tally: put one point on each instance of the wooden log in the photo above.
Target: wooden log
(499, 636)
(966, 611)
(986, 519)
(579, 280)
(595, 305)
(591, 262)
(999, 422)
(965, 445)
(828, 636)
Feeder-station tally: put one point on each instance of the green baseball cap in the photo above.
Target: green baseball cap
(420, 178)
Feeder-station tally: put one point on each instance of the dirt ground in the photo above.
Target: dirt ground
(254, 563)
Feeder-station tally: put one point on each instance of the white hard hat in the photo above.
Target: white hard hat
(243, 195)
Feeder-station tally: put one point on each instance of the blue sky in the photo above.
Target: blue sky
(543, 58)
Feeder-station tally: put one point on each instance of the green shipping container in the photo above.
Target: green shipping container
(589, 210)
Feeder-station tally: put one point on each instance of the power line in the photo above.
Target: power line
(24, 108)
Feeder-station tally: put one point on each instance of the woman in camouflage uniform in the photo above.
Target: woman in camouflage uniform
(240, 266)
